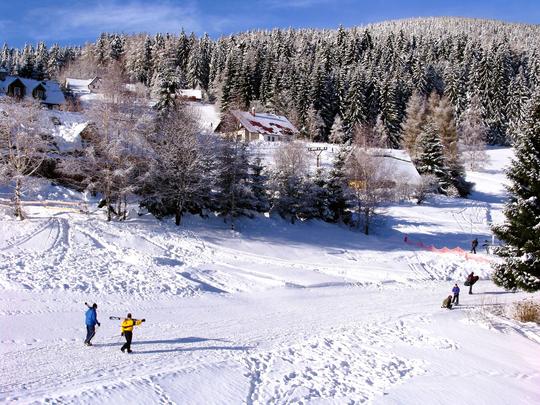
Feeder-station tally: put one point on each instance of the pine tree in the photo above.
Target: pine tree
(519, 93)
(233, 197)
(258, 184)
(443, 118)
(431, 158)
(337, 134)
(521, 230)
(337, 187)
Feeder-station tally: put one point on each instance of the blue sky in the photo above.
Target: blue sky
(78, 21)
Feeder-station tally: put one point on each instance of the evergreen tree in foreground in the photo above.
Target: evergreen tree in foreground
(521, 231)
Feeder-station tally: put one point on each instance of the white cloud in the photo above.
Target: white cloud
(84, 20)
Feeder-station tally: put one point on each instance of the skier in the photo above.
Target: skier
(447, 303)
(474, 245)
(127, 331)
(91, 322)
(471, 279)
(455, 291)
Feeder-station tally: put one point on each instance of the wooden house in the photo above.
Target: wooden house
(252, 126)
(48, 92)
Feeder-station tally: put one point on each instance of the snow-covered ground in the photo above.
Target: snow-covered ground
(269, 313)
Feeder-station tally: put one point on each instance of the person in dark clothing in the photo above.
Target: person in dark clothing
(91, 322)
(455, 291)
(127, 331)
(447, 303)
(471, 279)
(474, 245)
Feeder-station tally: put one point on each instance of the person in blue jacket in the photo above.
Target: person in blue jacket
(91, 322)
(455, 291)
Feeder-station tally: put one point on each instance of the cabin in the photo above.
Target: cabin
(47, 92)
(190, 95)
(252, 126)
(82, 86)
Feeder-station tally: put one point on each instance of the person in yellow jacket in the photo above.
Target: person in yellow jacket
(127, 331)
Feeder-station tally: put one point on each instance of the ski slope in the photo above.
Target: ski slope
(269, 313)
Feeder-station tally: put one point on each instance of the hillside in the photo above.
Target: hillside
(271, 312)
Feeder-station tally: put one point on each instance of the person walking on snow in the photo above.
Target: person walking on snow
(91, 322)
(127, 331)
(474, 245)
(455, 291)
(447, 303)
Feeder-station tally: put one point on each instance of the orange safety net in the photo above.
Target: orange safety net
(456, 251)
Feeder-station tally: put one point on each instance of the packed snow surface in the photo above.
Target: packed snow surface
(268, 313)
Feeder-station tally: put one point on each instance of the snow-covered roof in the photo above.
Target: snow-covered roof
(67, 135)
(80, 86)
(53, 93)
(265, 124)
(399, 164)
(194, 94)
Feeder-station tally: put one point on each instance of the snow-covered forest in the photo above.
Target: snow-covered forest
(360, 75)
(438, 88)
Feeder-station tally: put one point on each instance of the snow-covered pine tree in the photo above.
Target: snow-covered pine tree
(27, 60)
(356, 102)
(318, 197)
(168, 78)
(234, 197)
(258, 184)
(315, 123)
(431, 157)
(519, 93)
(521, 230)
(337, 134)
(337, 187)
(443, 118)
(41, 62)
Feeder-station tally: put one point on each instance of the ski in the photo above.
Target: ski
(118, 318)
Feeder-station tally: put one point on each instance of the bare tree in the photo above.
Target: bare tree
(181, 176)
(371, 183)
(473, 134)
(428, 185)
(116, 155)
(292, 158)
(368, 136)
(22, 146)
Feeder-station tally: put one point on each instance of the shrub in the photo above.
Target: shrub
(527, 311)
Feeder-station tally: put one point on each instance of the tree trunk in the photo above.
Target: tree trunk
(366, 221)
(18, 203)
(178, 215)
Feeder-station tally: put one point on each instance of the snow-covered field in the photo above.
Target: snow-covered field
(269, 313)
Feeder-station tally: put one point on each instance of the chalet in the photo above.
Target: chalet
(190, 95)
(48, 92)
(83, 86)
(252, 126)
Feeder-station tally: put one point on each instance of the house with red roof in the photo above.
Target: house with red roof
(252, 126)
